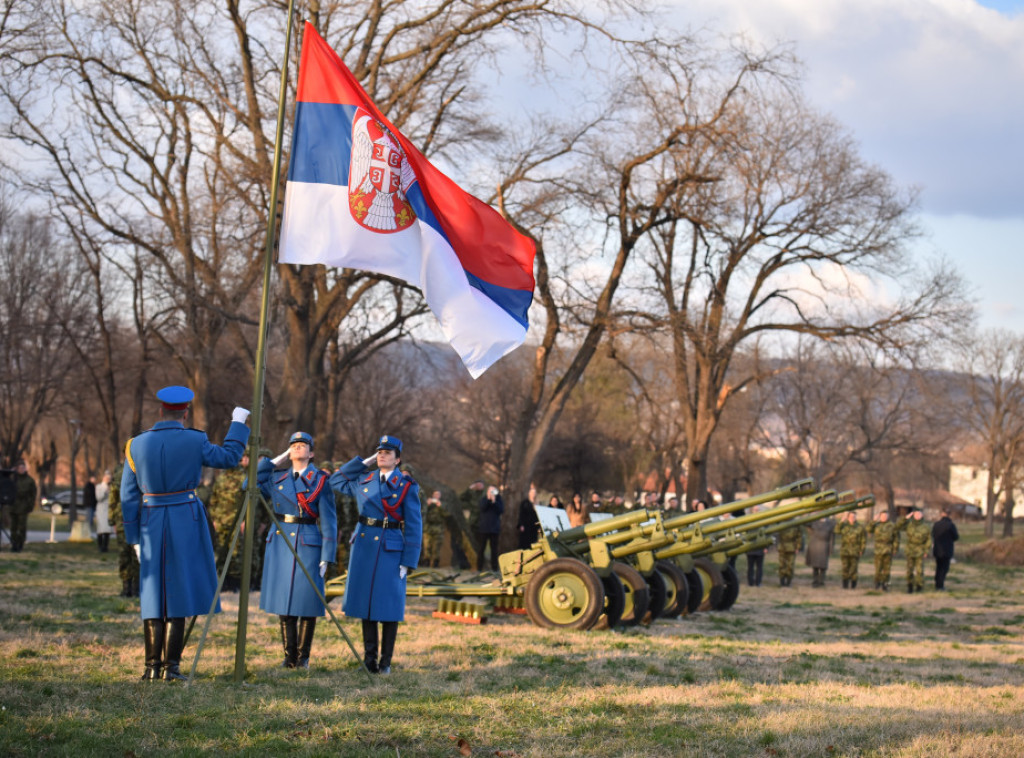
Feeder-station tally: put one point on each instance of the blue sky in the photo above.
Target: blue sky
(933, 90)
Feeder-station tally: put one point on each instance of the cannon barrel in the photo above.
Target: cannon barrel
(660, 525)
(657, 536)
(765, 533)
(798, 488)
(695, 541)
(604, 526)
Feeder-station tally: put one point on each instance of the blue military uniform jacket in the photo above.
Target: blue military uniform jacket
(164, 516)
(285, 590)
(374, 588)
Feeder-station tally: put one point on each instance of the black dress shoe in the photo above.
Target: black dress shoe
(384, 670)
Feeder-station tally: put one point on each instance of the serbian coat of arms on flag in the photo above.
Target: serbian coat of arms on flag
(360, 195)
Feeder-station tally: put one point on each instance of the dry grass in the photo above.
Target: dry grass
(787, 672)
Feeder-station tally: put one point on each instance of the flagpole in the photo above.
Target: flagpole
(261, 364)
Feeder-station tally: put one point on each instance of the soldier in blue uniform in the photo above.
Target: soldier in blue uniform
(385, 546)
(304, 504)
(166, 522)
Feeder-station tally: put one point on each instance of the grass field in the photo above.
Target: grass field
(787, 672)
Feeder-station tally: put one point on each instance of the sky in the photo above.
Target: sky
(933, 91)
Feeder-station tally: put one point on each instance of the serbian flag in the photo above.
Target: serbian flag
(360, 195)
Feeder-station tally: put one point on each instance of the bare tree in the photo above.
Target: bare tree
(621, 182)
(797, 235)
(993, 412)
(41, 318)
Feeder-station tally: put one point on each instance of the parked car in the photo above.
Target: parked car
(59, 503)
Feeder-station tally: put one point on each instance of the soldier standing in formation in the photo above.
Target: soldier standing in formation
(385, 547)
(303, 502)
(167, 521)
(24, 502)
(433, 530)
(919, 539)
(127, 560)
(790, 541)
(853, 539)
(887, 542)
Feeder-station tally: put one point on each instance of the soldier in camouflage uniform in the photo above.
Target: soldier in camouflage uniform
(433, 530)
(348, 519)
(223, 505)
(127, 561)
(853, 539)
(790, 542)
(887, 542)
(919, 540)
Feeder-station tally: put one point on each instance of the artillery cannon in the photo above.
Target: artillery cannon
(572, 578)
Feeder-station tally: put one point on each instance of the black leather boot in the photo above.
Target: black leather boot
(853, 584)
(307, 625)
(370, 645)
(289, 638)
(388, 635)
(135, 587)
(126, 588)
(846, 584)
(153, 636)
(175, 642)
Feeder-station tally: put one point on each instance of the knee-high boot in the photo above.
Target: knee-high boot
(153, 636)
(370, 645)
(174, 645)
(307, 625)
(290, 640)
(389, 632)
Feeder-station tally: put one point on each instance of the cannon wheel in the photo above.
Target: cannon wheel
(732, 587)
(713, 581)
(678, 589)
(638, 596)
(659, 596)
(614, 601)
(696, 597)
(564, 593)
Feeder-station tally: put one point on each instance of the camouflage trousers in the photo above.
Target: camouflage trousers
(19, 528)
(127, 563)
(432, 541)
(787, 560)
(883, 566)
(849, 567)
(915, 571)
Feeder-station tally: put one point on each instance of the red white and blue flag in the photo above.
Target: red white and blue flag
(360, 195)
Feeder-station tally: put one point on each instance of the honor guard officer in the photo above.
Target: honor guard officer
(385, 546)
(166, 521)
(304, 504)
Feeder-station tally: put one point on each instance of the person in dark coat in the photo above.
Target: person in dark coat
(944, 534)
(303, 503)
(166, 521)
(385, 547)
(528, 527)
(819, 547)
(488, 527)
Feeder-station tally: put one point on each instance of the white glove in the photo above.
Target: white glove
(281, 458)
(323, 568)
(370, 460)
(241, 415)
(138, 552)
(402, 571)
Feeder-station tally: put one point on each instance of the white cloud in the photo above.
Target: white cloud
(931, 88)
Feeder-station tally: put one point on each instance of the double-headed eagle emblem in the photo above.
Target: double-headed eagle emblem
(379, 175)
